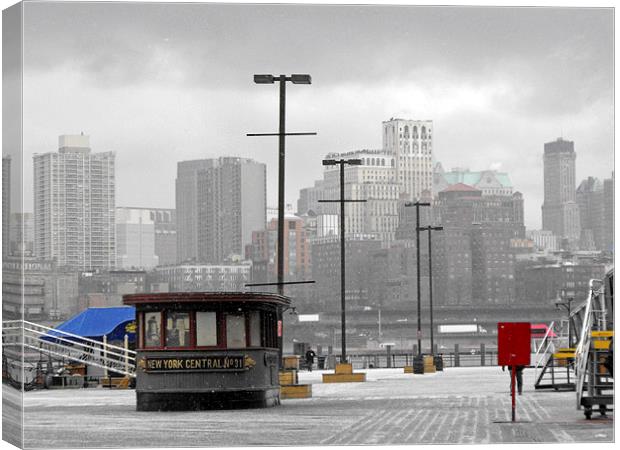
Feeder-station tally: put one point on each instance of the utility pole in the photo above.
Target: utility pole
(420, 364)
(342, 201)
(270, 79)
(430, 280)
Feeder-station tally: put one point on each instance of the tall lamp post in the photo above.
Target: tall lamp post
(417, 238)
(430, 229)
(271, 79)
(342, 201)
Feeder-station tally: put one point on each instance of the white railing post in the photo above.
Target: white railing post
(105, 356)
(126, 342)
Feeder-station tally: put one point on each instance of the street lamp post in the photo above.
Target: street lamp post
(430, 229)
(342, 201)
(270, 79)
(417, 236)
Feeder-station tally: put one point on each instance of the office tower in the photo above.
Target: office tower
(165, 221)
(326, 270)
(231, 203)
(6, 203)
(589, 197)
(165, 229)
(410, 144)
(474, 254)
(187, 207)
(373, 181)
(135, 239)
(74, 205)
(560, 212)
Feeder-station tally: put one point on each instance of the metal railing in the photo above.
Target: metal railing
(24, 335)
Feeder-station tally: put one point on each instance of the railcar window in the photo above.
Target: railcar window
(152, 331)
(206, 329)
(235, 330)
(177, 329)
(255, 329)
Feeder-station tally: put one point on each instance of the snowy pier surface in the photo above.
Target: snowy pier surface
(460, 405)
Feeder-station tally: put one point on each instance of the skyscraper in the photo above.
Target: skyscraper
(219, 203)
(410, 143)
(135, 239)
(589, 197)
(560, 212)
(187, 207)
(475, 251)
(373, 181)
(74, 205)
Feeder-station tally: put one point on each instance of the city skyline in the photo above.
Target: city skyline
(169, 90)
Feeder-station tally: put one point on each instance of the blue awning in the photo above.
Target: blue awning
(94, 323)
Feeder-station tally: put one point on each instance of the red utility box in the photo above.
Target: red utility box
(513, 343)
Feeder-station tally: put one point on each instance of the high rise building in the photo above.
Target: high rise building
(187, 207)
(475, 252)
(74, 205)
(358, 267)
(589, 197)
(410, 144)
(165, 226)
(231, 203)
(560, 212)
(135, 239)
(373, 181)
(165, 221)
(6, 203)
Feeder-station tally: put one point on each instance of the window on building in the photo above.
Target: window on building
(255, 329)
(206, 329)
(177, 329)
(235, 331)
(152, 329)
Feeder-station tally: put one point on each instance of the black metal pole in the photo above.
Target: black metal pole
(281, 138)
(343, 356)
(570, 334)
(417, 236)
(430, 286)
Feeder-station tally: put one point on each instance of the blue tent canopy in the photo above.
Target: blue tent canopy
(94, 323)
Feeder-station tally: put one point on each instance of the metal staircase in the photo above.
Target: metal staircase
(24, 342)
(555, 360)
(594, 382)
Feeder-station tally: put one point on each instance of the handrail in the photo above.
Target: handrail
(583, 346)
(544, 341)
(58, 343)
(65, 333)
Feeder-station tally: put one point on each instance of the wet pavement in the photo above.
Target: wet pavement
(460, 405)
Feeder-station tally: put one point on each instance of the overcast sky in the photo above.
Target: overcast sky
(161, 83)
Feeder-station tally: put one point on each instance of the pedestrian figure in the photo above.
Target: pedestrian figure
(518, 376)
(310, 358)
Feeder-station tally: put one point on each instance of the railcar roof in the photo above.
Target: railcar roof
(206, 297)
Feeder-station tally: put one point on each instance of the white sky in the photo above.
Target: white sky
(161, 83)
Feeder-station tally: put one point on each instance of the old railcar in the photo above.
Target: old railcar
(207, 350)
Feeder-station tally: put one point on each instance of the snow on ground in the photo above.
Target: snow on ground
(458, 405)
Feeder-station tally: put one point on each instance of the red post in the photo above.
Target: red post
(513, 373)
